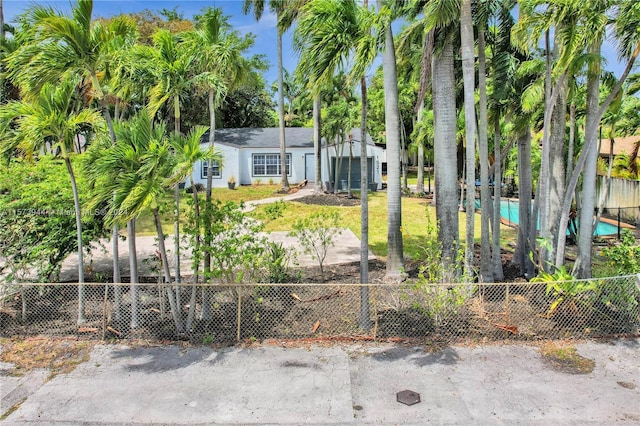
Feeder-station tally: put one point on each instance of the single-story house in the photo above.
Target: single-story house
(252, 155)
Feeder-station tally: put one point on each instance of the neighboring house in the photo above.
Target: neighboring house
(252, 155)
(621, 145)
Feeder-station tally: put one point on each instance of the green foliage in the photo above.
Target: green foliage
(37, 219)
(275, 210)
(625, 256)
(317, 233)
(567, 292)
(277, 260)
(238, 250)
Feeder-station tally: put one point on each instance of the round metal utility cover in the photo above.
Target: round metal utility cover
(408, 397)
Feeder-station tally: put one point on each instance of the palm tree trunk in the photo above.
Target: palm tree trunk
(446, 169)
(167, 274)
(317, 144)
(468, 72)
(196, 255)
(591, 130)
(498, 273)
(349, 195)
(486, 273)
(76, 205)
(206, 305)
(365, 321)
(395, 256)
(582, 267)
(117, 288)
(176, 195)
(283, 145)
(115, 232)
(524, 246)
(133, 267)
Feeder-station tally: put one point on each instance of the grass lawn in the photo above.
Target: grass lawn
(146, 226)
(414, 216)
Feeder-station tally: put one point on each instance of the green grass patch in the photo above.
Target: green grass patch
(145, 224)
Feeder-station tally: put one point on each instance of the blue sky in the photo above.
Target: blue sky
(264, 30)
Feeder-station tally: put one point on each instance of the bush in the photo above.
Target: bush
(199, 187)
(624, 257)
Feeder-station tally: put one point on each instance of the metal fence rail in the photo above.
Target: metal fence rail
(224, 315)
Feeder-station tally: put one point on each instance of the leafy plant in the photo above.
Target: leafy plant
(625, 256)
(275, 210)
(567, 292)
(316, 234)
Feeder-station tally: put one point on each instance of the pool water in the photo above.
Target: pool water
(509, 210)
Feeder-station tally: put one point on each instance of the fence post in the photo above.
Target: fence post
(618, 223)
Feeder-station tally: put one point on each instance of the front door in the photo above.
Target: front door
(310, 167)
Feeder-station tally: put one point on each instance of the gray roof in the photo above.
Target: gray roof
(269, 137)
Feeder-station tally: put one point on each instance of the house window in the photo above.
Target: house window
(215, 169)
(269, 165)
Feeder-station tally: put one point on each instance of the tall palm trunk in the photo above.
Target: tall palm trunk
(498, 273)
(117, 289)
(524, 243)
(395, 256)
(196, 252)
(468, 72)
(542, 200)
(206, 305)
(283, 145)
(365, 322)
(133, 267)
(486, 272)
(177, 319)
(582, 267)
(591, 129)
(317, 145)
(76, 205)
(176, 195)
(349, 194)
(446, 169)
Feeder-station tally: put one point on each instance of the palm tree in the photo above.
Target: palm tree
(627, 22)
(468, 71)
(220, 68)
(50, 118)
(327, 33)
(171, 62)
(440, 15)
(138, 170)
(188, 152)
(395, 257)
(57, 45)
(278, 7)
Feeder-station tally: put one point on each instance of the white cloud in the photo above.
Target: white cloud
(268, 22)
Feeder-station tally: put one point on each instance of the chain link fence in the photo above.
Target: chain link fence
(225, 315)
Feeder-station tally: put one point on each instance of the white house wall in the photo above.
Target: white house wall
(239, 164)
(296, 175)
(231, 165)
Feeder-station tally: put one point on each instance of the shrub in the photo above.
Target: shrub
(624, 257)
(316, 234)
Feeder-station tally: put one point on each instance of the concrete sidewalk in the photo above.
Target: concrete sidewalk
(353, 384)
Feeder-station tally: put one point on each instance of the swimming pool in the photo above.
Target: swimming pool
(509, 210)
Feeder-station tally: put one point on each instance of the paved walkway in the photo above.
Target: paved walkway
(353, 384)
